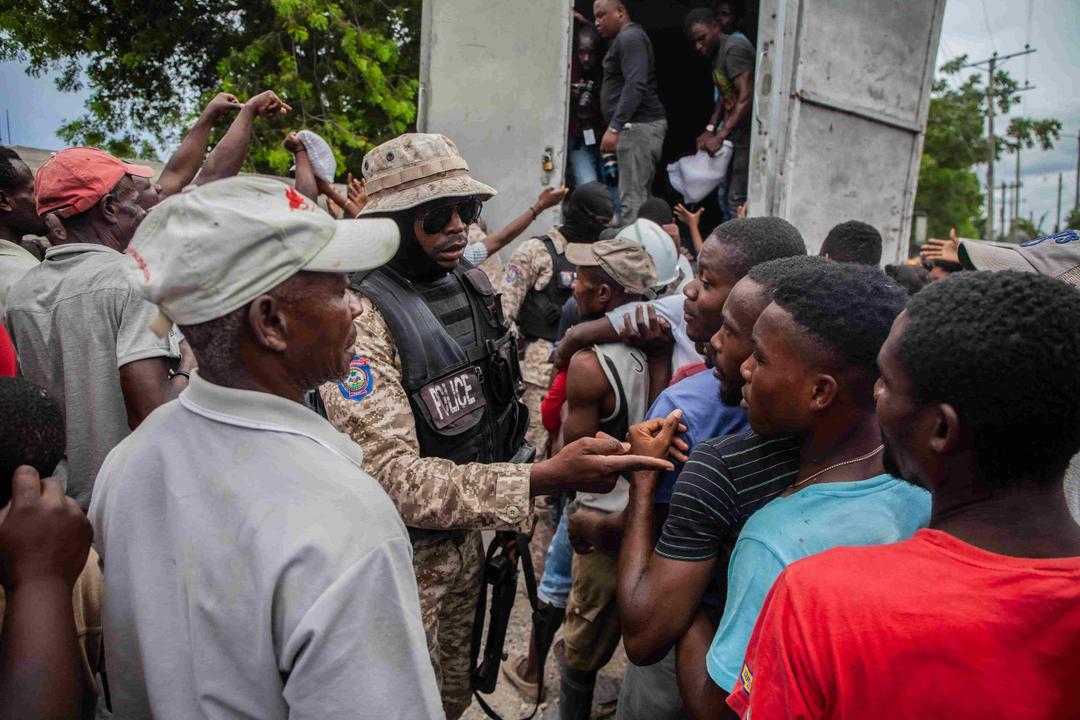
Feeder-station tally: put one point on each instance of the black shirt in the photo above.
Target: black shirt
(628, 93)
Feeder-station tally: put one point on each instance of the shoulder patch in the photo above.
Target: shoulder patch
(359, 383)
(513, 274)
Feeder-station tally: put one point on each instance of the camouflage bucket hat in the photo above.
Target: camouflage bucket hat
(416, 168)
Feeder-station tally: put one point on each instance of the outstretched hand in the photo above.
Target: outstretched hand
(549, 198)
(687, 218)
(357, 191)
(591, 464)
(937, 249)
(44, 535)
(658, 437)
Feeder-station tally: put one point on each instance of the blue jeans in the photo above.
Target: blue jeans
(556, 582)
(584, 166)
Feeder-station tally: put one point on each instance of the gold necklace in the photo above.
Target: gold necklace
(852, 461)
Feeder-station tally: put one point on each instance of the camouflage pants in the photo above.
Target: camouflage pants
(448, 573)
(537, 373)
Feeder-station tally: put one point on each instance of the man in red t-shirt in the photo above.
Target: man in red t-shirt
(979, 615)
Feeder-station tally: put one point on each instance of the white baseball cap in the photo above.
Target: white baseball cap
(210, 250)
(1055, 255)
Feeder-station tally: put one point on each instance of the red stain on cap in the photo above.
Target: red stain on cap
(142, 263)
(296, 200)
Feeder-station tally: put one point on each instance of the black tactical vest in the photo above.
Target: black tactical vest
(540, 311)
(464, 397)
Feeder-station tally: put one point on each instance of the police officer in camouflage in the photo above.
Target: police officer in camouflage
(538, 280)
(433, 396)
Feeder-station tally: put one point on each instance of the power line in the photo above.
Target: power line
(986, 20)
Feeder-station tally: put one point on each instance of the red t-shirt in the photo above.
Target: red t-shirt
(926, 628)
(552, 403)
(8, 364)
(686, 371)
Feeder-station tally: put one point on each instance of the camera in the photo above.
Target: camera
(610, 166)
(585, 91)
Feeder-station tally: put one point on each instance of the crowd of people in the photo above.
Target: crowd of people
(251, 431)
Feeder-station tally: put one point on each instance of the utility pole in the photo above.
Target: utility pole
(1057, 223)
(1076, 196)
(1016, 212)
(1002, 223)
(991, 63)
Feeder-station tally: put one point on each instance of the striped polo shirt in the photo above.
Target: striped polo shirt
(725, 480)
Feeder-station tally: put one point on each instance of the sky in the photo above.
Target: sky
(977, 28)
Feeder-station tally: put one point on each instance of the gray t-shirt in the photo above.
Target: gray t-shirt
(254, 570)
(75, 321)
(734, 56)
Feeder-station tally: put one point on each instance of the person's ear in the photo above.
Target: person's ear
(109, 207)
(824, 392)
(269, 322)
(944, 428)
(5, 202)
(604, 293)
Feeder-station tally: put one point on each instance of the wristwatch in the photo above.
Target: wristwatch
(710, 128)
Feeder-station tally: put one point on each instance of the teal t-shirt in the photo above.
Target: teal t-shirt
(876, 511)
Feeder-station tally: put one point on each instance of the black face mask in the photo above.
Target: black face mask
(411, 260)
(588, 211)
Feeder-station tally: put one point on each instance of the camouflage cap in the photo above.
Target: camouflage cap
(626, 261)
(416, 168)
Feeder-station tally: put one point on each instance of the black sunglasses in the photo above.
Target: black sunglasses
(434, 220)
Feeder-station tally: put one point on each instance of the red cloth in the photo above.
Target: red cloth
(929, 627)
(686, 371)
(8, 363)
(552, 403)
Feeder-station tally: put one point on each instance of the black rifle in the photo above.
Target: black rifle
(500, 573)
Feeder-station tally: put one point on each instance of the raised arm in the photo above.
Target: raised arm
(306, 183)
(185, 162)
(548, 198)
(583, 335)
(227, 157)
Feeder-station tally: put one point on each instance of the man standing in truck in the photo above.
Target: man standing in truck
(733, 74)
(635, 117)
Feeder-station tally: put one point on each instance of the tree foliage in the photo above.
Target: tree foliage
(349, 68)
(949, 189)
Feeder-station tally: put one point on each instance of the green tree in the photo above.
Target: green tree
(949, 189)
(349, 68)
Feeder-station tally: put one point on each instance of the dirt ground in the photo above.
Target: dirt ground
(506, 700)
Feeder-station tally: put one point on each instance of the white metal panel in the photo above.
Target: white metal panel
(494, 78)
(842, 95)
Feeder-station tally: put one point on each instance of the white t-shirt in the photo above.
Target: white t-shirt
(253, 570)
(669, 307)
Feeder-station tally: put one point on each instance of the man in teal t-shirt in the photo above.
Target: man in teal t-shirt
(811, 376)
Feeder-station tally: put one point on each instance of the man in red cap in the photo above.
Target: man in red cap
(79, 330)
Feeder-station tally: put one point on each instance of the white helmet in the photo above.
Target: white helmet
(659, 245)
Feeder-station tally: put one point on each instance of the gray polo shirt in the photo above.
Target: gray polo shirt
(253, 570)
(75, 321)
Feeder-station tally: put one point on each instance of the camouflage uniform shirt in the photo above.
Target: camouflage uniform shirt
(431, 493)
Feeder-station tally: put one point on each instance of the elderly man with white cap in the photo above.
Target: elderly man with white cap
(433, 395)
(252, 567)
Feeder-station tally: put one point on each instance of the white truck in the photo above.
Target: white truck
(841, 94)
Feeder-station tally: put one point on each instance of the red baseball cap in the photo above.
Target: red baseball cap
(73, 180)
